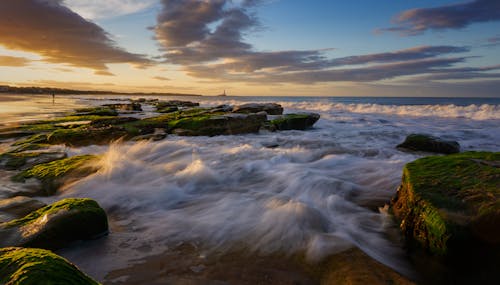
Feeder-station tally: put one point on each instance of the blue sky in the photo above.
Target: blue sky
(273, 47)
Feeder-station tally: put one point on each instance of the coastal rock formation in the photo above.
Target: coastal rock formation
(173, 105)
(30, 266)
(25, 160)
(300, 121)
(96, 111)
(54, 174)
(269, 108)
(423, 142)
(56, 225)
(446, 204)
(213, 125)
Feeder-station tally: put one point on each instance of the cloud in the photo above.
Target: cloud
(13, 61)
(59, 35)
(455, 16)
(207, 39)
(99, 9)
(161, 78)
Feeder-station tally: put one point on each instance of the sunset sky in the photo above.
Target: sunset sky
(252, 47)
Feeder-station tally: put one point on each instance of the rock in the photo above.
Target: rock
(54, 174)
(269, 108)
(423, 142)
(106, 122)
(354, 267)
(158, 135)
(56, 225)
(24, 160)
(98, 111)
(213, 125)
(450, 204)
(124, 106)
(15, 134)
(168, 109)
(86, 135)
(294, 121)
(222, 108)
(173, 105)
(30, 266)
(19, 206)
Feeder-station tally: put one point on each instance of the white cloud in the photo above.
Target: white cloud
(100, 9)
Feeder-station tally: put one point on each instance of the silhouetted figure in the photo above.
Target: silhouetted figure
(53, 98)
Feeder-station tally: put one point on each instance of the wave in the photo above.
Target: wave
(473, 112)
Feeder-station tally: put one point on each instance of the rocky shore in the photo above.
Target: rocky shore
(445, 204)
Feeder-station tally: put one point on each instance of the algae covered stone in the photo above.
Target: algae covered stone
(423, 142)
(56, 225)
(300, 121)
(447, 203)
(213, 125)
(269, 108)
(28, 266)
(54, 174)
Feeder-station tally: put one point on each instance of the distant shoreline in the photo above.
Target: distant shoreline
(5, 89)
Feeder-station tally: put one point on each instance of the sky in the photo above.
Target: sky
(254, 47)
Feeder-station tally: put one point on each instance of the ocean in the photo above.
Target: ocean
(318, 191)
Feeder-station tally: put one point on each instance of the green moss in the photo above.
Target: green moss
(450, 181)
(81, 204)
(441, 196)
(85, 136)
(52, 174)
(56, 225)
(34, 139)
(26, 266)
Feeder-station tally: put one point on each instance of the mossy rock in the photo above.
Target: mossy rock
(56, 225)
(295, 121)
(23, 160)
(269, 108)
(213, 125)
(84, 136)
(447, 203)
(105, 122)
(54, 174)
(33, 266)
(98, 111)
(423, 142)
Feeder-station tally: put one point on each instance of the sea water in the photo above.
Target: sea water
(318, 191)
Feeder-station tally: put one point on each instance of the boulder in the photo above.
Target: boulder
(213, 125)
(423, 142)
(15, 134)
(450, 204)
(300, 121)
(31, 266)
(269, 108)
(56, 225)
(54, 174)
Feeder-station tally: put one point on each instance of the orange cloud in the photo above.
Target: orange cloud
(60, 35)
(13, 61)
